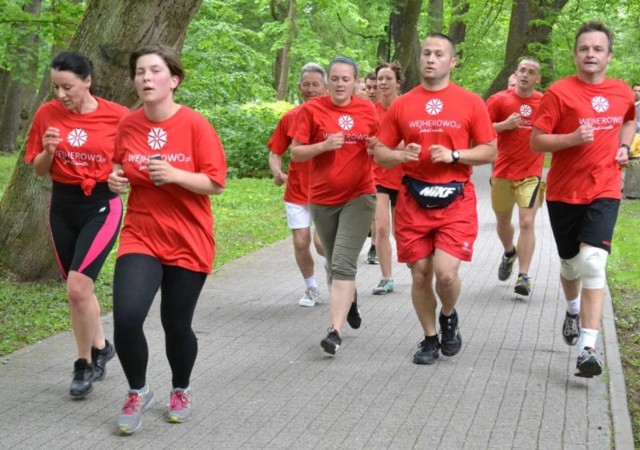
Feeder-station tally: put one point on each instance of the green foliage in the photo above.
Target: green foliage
(244, 131)
(7, 162)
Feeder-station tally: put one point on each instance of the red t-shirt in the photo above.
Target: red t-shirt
(515, 159)
(451, 117)
(582, 174)
(87, 140)
(169, 222)
(341, 175)
(389, 177)
(297, 190)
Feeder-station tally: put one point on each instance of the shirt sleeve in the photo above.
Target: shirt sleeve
(482, 131)
(546, 117)
(209, 153)
(34, 140)
(302, 128)
(280, 140)
(389, 132)
(493, 106)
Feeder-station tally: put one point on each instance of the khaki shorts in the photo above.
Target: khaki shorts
(525, 193)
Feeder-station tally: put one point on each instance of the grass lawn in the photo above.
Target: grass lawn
(249, 215)
(624, 283)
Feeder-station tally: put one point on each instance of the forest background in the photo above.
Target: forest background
(243, 59)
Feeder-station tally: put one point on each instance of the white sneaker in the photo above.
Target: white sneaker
(310, 297)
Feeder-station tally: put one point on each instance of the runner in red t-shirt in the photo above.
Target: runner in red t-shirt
(296, 195)
(517, 173)
(437, 121)
(333, 132)
(173, 161)
(72, 140)
(387, 179)
(587, 121)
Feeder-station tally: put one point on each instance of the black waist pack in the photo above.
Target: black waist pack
(429, 195)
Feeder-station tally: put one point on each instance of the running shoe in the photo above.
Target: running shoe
(81, 383)
(332, 342)
(130, 418)
(310, 297)
(506, 266)
(571, 328)
(384, 287)
(450, 339)
(372, 258)
(100, 359)
(588, 365)
(428, 351)
(353, 317)
(523, 285)
(180, 403)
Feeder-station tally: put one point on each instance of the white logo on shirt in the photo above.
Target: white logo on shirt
(525, 110)
(599, 103)
(345, 122)
(433, 107)
(157, 138)
(77, 137)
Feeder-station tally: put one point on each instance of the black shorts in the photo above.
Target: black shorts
(83, 228)
(591, 224)
(392, 193)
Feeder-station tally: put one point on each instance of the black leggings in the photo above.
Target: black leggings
(136, 281)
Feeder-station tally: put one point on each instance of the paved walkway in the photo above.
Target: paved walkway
(262, 380)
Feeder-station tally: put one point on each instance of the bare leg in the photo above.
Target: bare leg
(383, 231)
(85, 314)
(302, 251)
(423, 295)
(342, 293)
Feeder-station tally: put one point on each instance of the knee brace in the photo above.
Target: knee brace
(570, 268)
(593, 262)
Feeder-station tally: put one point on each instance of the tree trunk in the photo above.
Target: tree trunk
(404, 29)
(285, 62)
(108, 32)
(14, 95)
(435, 16)
(529, 29)
(458, 27)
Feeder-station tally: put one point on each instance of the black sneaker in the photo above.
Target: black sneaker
(353, 317)
(588, 365)
(506, 266)
(81, 384)
(332, 342)
(428, 351)
(571, 328)
(450, 340)
(100, 359)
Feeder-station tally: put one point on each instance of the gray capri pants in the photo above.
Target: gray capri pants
(343, 230)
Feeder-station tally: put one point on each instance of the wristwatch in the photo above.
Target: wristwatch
(455, 154)
(627, 147)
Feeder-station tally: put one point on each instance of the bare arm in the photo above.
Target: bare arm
(42, 162)
(542, 142)
(275, 164)
(627, 133)
(385, 157)
(510, 123)
(303, 152)
(475, 156)
(161, 172)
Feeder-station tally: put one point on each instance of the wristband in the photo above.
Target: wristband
(627, 147)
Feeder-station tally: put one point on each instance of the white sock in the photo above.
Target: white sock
(311, 282)
(573, 306)
(588, 338)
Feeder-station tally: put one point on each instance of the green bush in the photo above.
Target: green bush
(244, 131)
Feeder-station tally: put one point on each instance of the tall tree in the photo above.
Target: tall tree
(458, 27)
(26, 64)
(109, 31)
(436, 16)
(529, 30)
(404, 29)
(282, 78)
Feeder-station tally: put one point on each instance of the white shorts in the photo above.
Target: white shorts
(298, 216)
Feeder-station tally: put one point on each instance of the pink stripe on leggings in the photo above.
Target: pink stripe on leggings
(105, 234)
